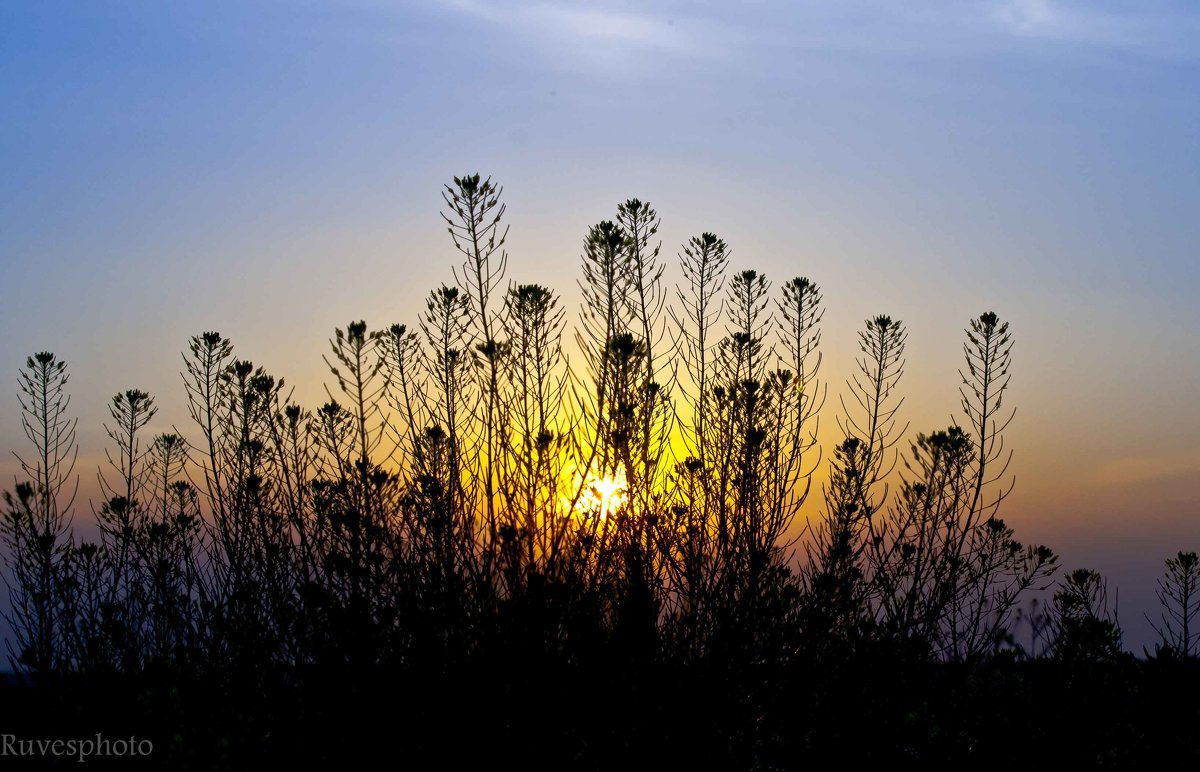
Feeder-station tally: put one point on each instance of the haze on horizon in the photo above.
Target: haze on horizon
(272, 170)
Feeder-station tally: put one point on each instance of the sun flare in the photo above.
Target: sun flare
(604, 495)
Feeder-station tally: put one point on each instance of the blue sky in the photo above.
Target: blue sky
(271, 169)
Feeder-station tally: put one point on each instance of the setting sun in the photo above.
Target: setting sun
(604, 495)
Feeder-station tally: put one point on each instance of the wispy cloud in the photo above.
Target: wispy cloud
(610, 37)
(594, 36)
(1026, 17)
(1146, 28)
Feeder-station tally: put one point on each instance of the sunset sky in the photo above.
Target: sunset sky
(272, 170)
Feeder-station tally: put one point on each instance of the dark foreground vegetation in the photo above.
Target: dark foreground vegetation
(476, 554)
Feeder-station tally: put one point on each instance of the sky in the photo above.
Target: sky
(272, 170)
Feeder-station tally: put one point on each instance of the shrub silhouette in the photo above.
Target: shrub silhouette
(475, 509)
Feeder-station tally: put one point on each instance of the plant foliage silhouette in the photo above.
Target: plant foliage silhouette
(609, 514)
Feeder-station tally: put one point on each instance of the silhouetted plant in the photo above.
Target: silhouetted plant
(474, 226)
(988, 352)
(647, 300)
(941, 575)
(857, 486)
(606, 314)
(703, 262)
(799, 396)
(1179, 594)
(989, 570)
(534, 453)
(469, 508)
(400, 351)
(37, 518)
(122, 519)
(696, 563)
(1085, 630)
(363, 485)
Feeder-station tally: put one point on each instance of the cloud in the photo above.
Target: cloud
(608, 37)
(1026, 17)
(595, 37)
(1150, 28)
(1054, 19)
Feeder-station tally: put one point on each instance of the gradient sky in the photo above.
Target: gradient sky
(272, 170)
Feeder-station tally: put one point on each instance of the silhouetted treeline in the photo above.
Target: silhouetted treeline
(614, 560)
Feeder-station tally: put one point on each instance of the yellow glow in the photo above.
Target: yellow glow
(604, 495)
